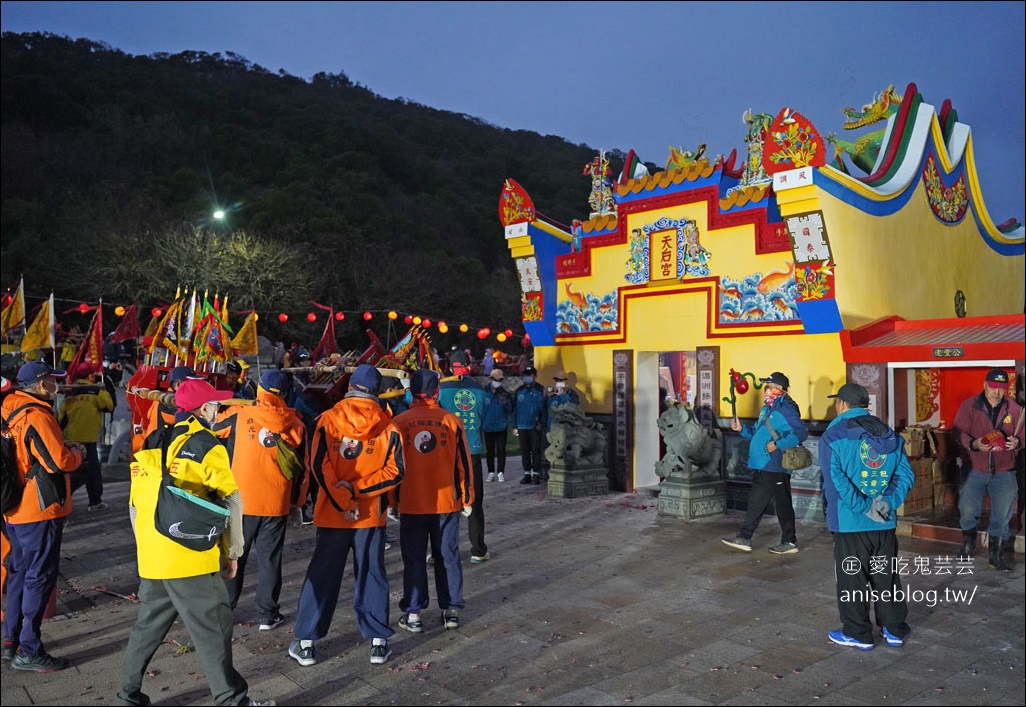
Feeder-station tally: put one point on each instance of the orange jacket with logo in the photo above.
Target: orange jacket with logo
(252, 433)
(355, 441)
(438, 475)
(37, 438)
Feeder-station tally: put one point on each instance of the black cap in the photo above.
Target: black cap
(777, 378)
(424, 382)
(996, 378)
(529, 371)
(853, 394)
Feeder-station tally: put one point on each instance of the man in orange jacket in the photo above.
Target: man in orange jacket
(356, 457)
(254, 433)
(437, 489)
(36, 525)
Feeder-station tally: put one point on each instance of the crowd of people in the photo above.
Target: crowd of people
(262, 450)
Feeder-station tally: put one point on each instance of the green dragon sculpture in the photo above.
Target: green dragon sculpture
(864, 151)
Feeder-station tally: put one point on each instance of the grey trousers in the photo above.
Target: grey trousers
(202, 604)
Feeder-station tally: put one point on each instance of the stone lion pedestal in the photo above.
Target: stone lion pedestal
(576, 454)
(690, 485)
(572, 483)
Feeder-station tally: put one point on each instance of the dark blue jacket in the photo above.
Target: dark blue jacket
(787, 423)
(497, 406)
(861, 459)
(529, 407)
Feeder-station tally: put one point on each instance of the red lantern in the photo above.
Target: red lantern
(283, 317)
(508, 333)
(311, 317)
(526, 341)
(426, 323)
(741, 386)
(339, 316)
(442, 325)
(408, 319)
(482, 333)
(83, 308)
(156, 311)
(367, 316)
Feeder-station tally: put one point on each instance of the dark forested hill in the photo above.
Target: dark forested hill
(112, 165)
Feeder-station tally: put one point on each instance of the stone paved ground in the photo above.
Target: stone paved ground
(588, 601)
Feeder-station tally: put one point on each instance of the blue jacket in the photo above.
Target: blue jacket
(529, 407)
(497, 406)
(787, 423)
(465, 399)
(862, 458)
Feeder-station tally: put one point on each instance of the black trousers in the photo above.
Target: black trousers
(532, 444)
(265, 537)
(476, 521)
(90, 475)
(864, 571)
(495, 449)
(769, 486)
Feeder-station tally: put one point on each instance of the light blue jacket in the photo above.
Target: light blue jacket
(862, 458)
(787, 423)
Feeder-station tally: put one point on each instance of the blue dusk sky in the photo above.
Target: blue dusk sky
(638, 75)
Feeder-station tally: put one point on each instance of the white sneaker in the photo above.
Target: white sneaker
(502, 477)
(491, 476)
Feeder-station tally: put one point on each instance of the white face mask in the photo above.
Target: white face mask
(560, 385)
(496, 384)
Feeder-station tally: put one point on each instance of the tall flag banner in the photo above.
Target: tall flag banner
(188, 329)
(168, 333)
(91, 350)
(326, 346)
(245, 342)
(224, 314)
(13, 314)
(212, 341)
(151, 328)
(129, 326)
(42, 333)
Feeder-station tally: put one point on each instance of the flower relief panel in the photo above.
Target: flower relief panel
(531, 303)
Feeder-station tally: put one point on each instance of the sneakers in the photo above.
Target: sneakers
(303, 656)
(891, 639)
(101, 506)
(784, 549)
(525, 480)
(250, 702)
(491, 476)
(411, 625)
(380, 653)
(450, 618)
(535, 479)
(39, 663)
(430, 559)
(739, 543)
(841, 639)
(502, 478)
(478, 559)
(273, 623)
(10, 648)
(307, 516)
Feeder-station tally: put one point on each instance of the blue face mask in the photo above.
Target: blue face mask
(528, 380)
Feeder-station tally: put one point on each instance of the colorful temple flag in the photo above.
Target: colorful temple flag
(129, 326)
(91, 350)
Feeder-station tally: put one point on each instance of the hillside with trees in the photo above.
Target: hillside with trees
(113, 164)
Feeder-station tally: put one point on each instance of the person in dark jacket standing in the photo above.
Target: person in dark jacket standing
(989, 426)
(866, 476)
(529, 420)
(495, 424)
(464, 398)
(770, 480)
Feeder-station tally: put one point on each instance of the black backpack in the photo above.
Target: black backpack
(12, 485)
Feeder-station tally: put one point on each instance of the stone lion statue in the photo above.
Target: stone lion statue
(574, 440)
(692, 451)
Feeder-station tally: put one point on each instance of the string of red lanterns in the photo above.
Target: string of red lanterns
(410, 319)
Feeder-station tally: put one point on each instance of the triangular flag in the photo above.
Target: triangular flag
(13, 315)
(245, 342)
(129, 326)
(326, 346)
(91, 350)
(41, 334)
